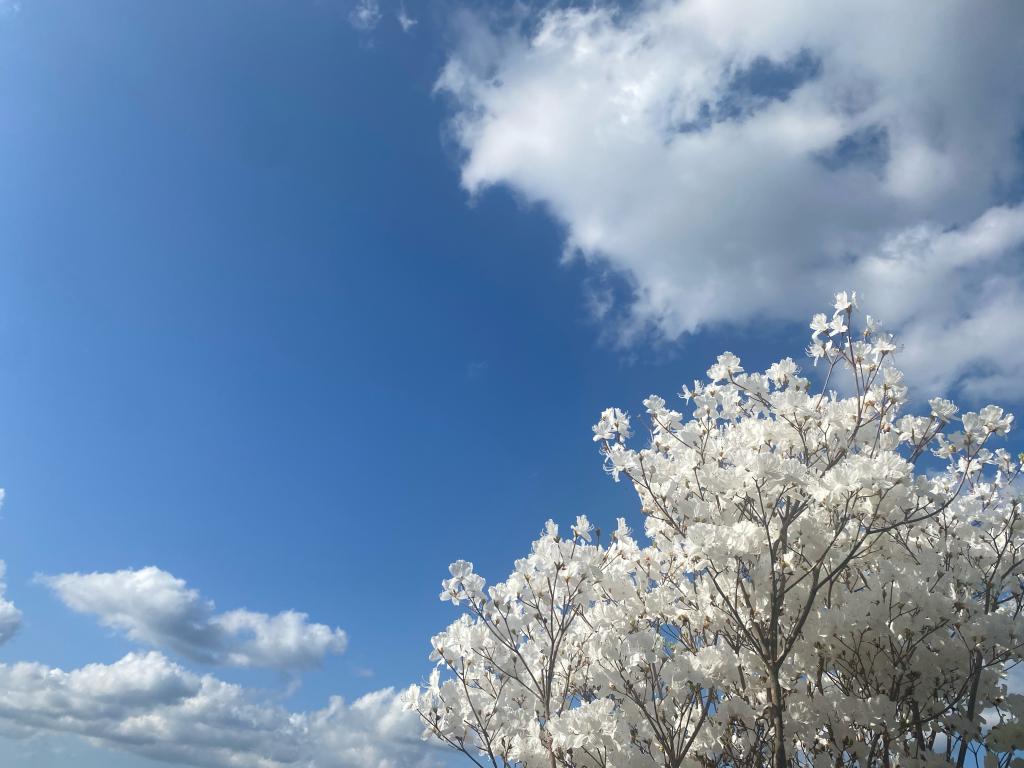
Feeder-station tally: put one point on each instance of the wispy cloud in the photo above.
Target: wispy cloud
(741, 166)
(153, 607)
(365, 16)
(405, 21)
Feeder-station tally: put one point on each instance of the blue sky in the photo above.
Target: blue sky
(299, 306)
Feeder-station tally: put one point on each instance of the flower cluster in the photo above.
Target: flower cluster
(827, 580)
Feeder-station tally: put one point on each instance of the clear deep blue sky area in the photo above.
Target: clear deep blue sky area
(261, 330)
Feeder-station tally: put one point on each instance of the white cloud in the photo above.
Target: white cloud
(147, 705)
(365, 16)
(150, 706)
(958, 300)
(10, 616)
(405, 21)
(740, 161)
(154, 607)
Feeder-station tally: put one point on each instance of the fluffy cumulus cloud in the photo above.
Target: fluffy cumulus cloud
(150, 706)
(740, 161)
(154, 607)
(10, 616)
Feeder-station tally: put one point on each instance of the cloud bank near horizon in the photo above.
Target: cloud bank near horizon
(149, 705)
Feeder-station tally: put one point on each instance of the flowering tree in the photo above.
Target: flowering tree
(809, 593)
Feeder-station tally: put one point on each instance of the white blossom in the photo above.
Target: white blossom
(807, 595)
